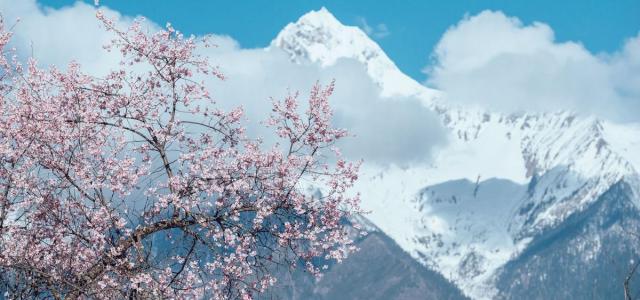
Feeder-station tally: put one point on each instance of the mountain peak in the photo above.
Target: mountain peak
(319, 37)
(320, 18)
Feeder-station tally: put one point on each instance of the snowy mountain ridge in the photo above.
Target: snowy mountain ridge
(500, 181)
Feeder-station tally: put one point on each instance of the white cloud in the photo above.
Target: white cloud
(497, 62)
(378, 31)
(57, 36)
(625, 69)
(399, 131)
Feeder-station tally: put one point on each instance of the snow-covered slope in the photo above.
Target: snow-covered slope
(501, 181)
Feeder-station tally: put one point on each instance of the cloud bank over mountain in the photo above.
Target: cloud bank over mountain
(384, 131)
(495, 61)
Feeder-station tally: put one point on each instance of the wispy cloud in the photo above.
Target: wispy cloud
(378, 31)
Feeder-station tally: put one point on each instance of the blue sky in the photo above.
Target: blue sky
(414, 27)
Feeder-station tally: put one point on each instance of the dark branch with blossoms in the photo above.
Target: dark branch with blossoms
(134, 185)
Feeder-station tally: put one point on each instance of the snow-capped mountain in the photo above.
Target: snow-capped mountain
(319, 37)
(502, 184)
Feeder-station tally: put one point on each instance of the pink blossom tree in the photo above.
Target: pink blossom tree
(135, 185)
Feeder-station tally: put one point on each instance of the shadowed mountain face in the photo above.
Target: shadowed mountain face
(587, 257)
(380, 270)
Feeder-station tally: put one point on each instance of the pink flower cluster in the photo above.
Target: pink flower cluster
(136, 185)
